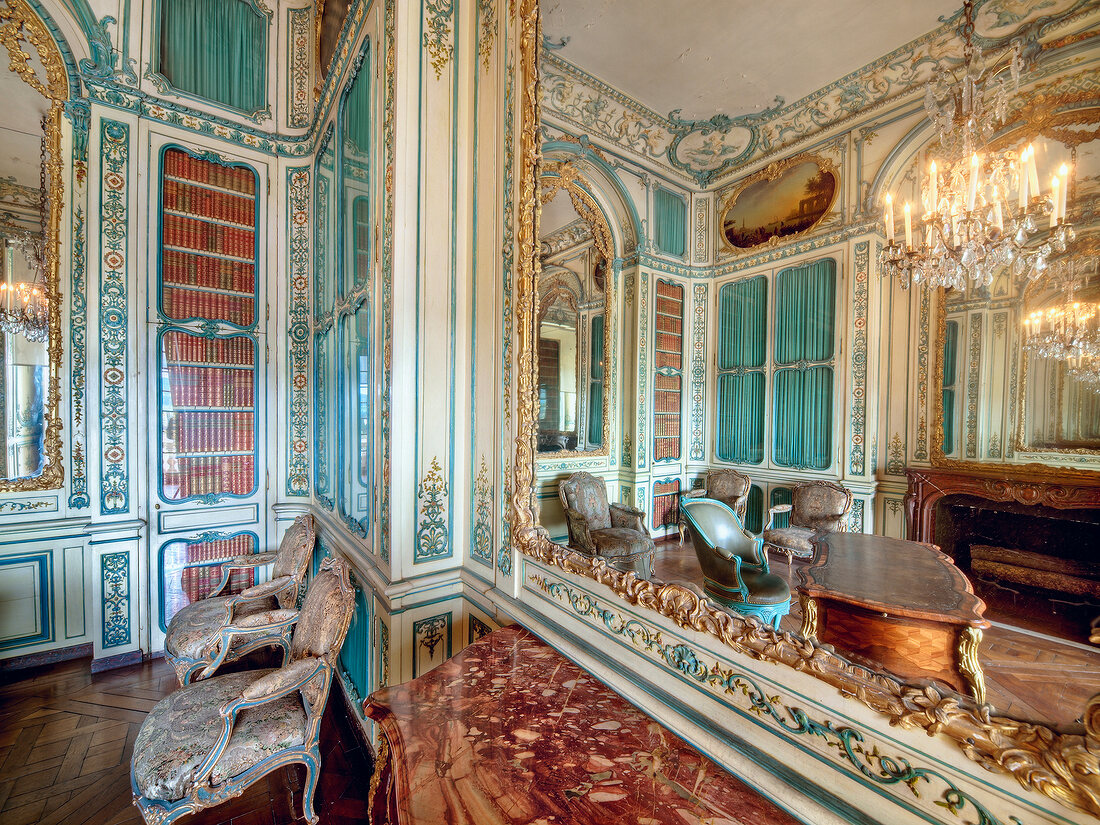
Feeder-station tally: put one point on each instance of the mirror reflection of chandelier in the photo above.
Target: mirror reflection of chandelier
(1070, 331)
(981, 209)
(25, 308)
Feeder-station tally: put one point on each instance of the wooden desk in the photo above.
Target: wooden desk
(509, 731)
(898, 603)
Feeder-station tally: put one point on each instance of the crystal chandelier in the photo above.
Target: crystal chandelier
(25, 308)
(1070, 331)
(981, 209)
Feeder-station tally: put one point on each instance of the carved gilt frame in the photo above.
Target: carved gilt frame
(21, 28)
(1064, 767)
(772, 172)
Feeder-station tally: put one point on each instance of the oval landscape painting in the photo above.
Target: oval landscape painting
(787, 205)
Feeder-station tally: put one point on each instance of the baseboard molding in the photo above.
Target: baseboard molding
(46, 657)
(120, 660)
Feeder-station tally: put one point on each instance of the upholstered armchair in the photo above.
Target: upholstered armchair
(220, 628)
(816, 507)
(735, 566)
(727, 486)
(614, 532)
(210, 740)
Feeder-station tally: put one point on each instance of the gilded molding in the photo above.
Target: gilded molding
(1062, 766)
(487, 31)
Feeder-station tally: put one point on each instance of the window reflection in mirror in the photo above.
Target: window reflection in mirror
(25, 373)
(571, 332)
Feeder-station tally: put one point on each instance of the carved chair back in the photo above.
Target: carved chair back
(586, 495)
(820, 505)
(718, 535)
(293, 557)
(730, 487)
(323, 623)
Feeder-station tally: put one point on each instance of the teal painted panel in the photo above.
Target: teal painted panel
(742, 323)
(950, 375)
(115, 584)
(740, 432)
(215, 49)
(43, 570)
(803, 418)
(805, 312)
(670, 221)
(355, 654)
(595, 392)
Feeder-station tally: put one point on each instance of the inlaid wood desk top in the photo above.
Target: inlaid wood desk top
(904, 578)
(900, 605)
(509, 731)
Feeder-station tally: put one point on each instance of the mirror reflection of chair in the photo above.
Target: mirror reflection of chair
(614, 532)
(205, 634)
(210, 740)
(816, 507)
(727, 486)
(735, 566)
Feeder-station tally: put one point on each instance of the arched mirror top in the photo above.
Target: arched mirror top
(34, 92)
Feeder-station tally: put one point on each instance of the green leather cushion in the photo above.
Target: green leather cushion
(765, 588)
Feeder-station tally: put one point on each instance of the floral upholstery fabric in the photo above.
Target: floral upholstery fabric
(294, 552)
(729, 487)
(279, 680)
(179, 733)
(799, 540)
(620, 541)
(627, 517)
(266, 617)
(252, 560)
(586, 495)
(821, 505)
(194, 628)
(268, 588)
(322, 623)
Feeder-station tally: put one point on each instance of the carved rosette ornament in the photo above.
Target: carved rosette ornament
(1063, 766)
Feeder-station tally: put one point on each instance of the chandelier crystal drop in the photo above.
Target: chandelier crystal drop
(981, 209)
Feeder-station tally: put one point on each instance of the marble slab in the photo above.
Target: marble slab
(509, 731)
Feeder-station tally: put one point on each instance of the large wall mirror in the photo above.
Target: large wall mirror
(550, 295)
(34, 91)
(574, 320)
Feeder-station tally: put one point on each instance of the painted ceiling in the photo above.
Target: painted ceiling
(732, 57)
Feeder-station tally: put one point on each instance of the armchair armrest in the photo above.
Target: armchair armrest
(283, 681)
(774, 510)
(578, 531)
(262, 591)
(623, 515)
(248, 561)
(277, 623)
(697, 493)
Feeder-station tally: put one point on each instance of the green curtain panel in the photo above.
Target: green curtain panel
(595, 391)
(356, 123)
(216, 49)
(781, 495)
(741, 417)
(805, 312)
(950, 366)
(742, 323)
(754, 510)
(803, 418)
(671, 216)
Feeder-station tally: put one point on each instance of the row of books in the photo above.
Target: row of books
(178, 267)
(669, 342)
(664, 448)
(196, 551)
(666, 426)
(186, 477)
(670, 323)
(181, 304)
(177, 196)
(179, 164)
(666, 305)
(210, 432)
(189, 233)
(191, 349)
(209, 387)
(199, 582)
(666, 403)
(665, 504)
(672, 360)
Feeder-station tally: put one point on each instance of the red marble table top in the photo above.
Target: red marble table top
(509, 731)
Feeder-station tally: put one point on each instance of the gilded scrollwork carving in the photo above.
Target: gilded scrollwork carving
(20, 27)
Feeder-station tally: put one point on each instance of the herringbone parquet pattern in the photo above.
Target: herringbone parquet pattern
(66, 738)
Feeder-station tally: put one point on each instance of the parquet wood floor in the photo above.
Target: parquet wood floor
(1027, 676)
(66, 737)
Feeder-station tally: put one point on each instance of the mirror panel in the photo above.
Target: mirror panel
(31, 193)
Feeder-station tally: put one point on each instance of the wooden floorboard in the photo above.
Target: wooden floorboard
(67, 736)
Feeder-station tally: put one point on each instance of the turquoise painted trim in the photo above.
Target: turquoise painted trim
(583, 150)
(873, 770)
(115, 598)
(228, 164)
(354, 663)
(44, 562)
(114, 319)
(163, 620)
(164, 85)
(78, 360)
(208, 498)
